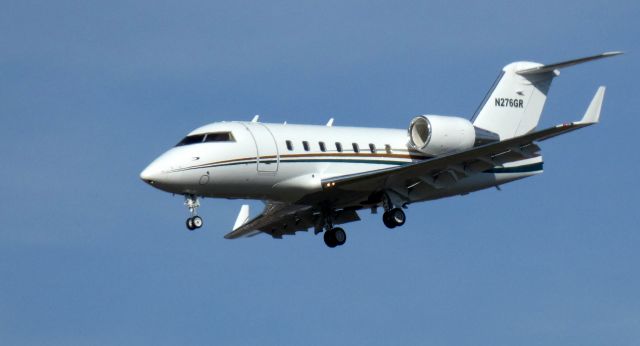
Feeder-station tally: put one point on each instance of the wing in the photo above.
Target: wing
(462, 163)
(278, 219)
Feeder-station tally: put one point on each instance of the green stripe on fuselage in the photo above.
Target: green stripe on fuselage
(517, 169)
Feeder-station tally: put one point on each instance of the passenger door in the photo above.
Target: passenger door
(267, 153)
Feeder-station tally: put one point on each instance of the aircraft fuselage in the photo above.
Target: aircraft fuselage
(286, 162)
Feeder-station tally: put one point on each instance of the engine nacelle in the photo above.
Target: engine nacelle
(437, 134)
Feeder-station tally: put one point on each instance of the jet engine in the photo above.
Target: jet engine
(437, 134)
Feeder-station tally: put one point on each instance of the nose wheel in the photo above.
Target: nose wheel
(194, 222)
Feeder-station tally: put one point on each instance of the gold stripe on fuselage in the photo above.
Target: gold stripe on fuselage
(310, 155)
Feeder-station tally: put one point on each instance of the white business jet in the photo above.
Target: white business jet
(320, 176)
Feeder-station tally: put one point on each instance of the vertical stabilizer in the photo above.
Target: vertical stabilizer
(514, 106)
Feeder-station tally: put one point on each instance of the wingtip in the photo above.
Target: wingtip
(613, 53)
(592, 115)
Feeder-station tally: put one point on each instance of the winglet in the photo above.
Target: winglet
(592, 115)
(330, 122)
(255, 118)
(243, 217)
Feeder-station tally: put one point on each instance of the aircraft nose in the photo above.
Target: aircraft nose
(150, 174)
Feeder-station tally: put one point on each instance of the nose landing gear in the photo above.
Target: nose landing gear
(194, 222)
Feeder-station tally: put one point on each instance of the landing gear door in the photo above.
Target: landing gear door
(266, 148)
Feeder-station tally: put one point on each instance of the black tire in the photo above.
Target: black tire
(339, 235)
(386, 219)
(397, 216)
(190, 225)
(329, 239)
(197, 221)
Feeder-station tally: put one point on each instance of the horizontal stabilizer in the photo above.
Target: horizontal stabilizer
(552, 67)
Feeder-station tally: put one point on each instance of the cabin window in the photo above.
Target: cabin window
(387, 148)
(356, 149)
(193, 139)
(305, 145)
(323, 148)
(289, 145)
(339, 147)
(219, 137)
(372, 147)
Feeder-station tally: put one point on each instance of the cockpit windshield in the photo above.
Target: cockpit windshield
(219, 137)
(190, 140)
(207, 137)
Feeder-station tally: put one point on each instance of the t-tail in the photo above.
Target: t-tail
(514, 104)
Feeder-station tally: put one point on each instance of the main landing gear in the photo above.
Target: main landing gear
(393, 216)
(194, 222)
(333, 236)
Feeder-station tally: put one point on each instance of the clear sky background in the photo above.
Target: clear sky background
(92, 91)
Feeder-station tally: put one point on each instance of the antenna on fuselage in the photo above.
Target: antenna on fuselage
(330, 122)
(255, 118)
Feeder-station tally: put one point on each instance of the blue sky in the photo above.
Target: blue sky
(91, 92)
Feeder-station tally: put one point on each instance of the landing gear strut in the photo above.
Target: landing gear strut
(192, 202)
